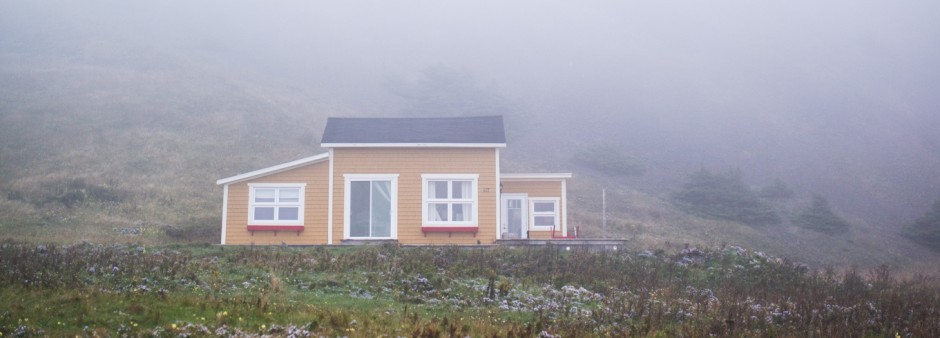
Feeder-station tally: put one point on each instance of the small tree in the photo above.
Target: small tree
(723, 196)
(926, 229)
(820, 217)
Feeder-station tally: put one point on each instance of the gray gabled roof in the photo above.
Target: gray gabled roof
(482, 131)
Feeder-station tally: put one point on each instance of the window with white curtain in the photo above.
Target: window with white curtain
(449, 199)
(276, 204)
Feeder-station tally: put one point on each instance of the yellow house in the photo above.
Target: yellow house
(408, 180)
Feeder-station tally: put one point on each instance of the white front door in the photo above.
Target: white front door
(514, 218)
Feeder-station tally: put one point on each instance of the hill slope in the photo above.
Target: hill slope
(113, 130)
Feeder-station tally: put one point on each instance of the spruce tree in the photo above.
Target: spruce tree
(818, 216)
(723, 196)
(926, 229)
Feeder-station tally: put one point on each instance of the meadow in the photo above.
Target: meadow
(200, 290)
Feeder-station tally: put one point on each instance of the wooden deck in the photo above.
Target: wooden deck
(568, 244)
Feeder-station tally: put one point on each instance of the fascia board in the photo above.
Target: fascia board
(413, 145)
(534, 177)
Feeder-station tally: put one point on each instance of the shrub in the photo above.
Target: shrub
(195, 230)
(818, 216)
(723, 196)
(69, 192)
(926, 229)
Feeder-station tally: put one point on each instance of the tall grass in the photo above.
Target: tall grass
(199, 290)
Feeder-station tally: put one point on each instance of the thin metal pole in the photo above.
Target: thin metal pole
(604, 210)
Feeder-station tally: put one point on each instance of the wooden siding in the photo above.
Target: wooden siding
(537, 189)
(316, 177)
(410, 164)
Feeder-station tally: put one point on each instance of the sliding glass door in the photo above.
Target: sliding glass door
(370, 206)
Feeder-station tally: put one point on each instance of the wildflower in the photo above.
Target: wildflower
(173, 326)
(263, 326)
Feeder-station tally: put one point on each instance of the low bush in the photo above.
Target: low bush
(195, 230)
(68, 192)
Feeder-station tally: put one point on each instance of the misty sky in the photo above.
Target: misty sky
(779, 89)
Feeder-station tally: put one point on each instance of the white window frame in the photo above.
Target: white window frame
(474, 199)
(349, 178)
(277, 186)
(533, 214)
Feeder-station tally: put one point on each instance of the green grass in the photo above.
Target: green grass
(198, 290)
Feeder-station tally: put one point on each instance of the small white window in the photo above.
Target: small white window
(276, 204)
(543, 213)
(449, 199)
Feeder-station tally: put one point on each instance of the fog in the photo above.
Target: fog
(837, 98)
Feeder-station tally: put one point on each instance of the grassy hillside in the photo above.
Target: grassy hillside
(107, 139)
(95, 152)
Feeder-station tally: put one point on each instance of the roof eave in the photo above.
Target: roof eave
(534, 176)
(413, 145)
(274, 169)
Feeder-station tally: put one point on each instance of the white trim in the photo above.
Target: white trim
(474, 199)
(300, 203)
(534, 176)
(525, 211)
(564, 208)
(274, 169)
(533, 213)
(224, 212)
(420, 145)
(329, 201)
(393, 178)
(499, 202)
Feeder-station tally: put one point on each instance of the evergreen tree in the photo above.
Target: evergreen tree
(723, 196)
(926, 229)
(820, 217)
